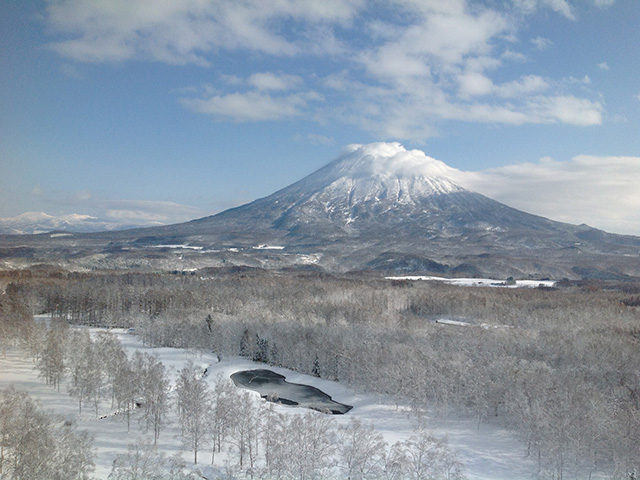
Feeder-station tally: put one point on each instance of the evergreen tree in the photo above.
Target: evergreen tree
(315, 370)
(262, 350)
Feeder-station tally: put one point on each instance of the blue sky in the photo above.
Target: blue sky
(162, 111)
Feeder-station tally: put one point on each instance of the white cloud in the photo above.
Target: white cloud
(603, 66)
(440, 67)
(145, 212)
(560, 6)
(599, 191)
(273, 81)
(474, 84)
(566, 109)
(541, 43)
(189, 31)
(272, 96)
(436, 40)
(251, 106)
(83, 195)
(71, 71)
(510, 55)
(526, 85)
(104, 213)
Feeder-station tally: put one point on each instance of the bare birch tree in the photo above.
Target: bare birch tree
(193, 400)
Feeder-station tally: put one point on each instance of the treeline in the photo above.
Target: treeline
(560, 366)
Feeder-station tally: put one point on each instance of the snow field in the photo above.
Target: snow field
(478, 282)
(487, 452)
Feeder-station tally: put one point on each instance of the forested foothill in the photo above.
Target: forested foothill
(560, 366)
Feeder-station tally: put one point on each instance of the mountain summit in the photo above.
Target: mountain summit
(376, 207)
(386, 169)
(369, 181)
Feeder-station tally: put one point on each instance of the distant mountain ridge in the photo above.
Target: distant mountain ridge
(30, 223)
(376, 207)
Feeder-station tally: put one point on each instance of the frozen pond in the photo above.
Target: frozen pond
(275, 388)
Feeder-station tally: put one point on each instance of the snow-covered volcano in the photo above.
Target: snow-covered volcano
(380, 206)
(370, 180)
(373, 191)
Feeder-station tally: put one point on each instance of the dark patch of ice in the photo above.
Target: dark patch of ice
(273, 387)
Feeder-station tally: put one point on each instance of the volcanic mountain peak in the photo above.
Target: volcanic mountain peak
(380, 171)
(390, 159)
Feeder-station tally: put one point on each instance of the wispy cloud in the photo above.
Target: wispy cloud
(560, 6)
(71, 71)
(314, 139)
(189, 31)
(274, 81)
(541, 43)
(252, 106)
(148, 212)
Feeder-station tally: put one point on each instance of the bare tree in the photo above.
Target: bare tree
(423, 457)
(141, 462)
(244, 428)
(271, 433)
(303, 448)
(51, 360)
(125, 387)
(35, 445)
(220, 422)
(85, 369)
(193, 400)
(362, 451)
(153, 383)
(112, 357)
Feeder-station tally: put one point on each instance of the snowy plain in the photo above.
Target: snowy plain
(487, 451)
(478, 282)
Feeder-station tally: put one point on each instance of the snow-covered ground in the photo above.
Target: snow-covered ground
(488, 452)
(479, 282)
